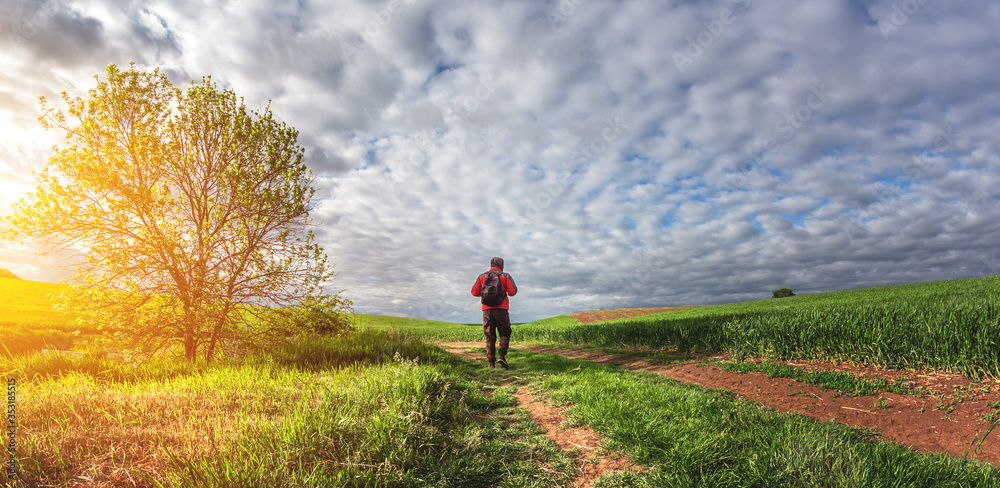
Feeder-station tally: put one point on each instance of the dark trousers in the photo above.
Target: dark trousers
(496, 321)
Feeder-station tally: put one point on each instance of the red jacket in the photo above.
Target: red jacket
(508, 286)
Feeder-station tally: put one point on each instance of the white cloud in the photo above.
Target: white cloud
(570, 142)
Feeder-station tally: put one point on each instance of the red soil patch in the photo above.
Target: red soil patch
(619, 313)
(948, 418)
(589, 463)
(930, 424)
(592, 461)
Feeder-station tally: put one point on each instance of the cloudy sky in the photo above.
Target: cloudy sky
(616, 154)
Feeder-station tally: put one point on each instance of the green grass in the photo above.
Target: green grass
(558, 321)
(433, 330)
(390, 322)
(376, 408)
(687, 435)
(400, 424)
(952, 325)
(383, 408)
(28, 322)
(29, 302)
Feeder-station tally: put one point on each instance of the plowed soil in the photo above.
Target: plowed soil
(946, 416)
(618, 313)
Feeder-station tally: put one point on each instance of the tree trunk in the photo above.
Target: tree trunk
(216, 332)
(190, 346)
(211, 344)
(190, 339)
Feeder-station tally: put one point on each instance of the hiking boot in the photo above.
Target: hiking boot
(503, 362)
(492, 365)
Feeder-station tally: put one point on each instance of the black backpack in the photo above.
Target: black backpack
(493, 292)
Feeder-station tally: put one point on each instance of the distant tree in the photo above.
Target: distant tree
(193, 214)
(6, 273)
(782, 293)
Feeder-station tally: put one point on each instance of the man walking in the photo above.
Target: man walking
(494, 286)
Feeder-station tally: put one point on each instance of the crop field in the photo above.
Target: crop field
(431, 330)
(28, 320)
(385, 406)
(952, 325)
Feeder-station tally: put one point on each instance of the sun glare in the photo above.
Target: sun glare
(12, 187)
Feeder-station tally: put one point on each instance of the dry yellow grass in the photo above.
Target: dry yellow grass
(78, 431)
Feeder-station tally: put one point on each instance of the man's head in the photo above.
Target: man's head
(496, 263)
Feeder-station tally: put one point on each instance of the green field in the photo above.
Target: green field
(383, 407)
(952, 325)
(30, 302)
(432, 330)
(371, 409)
(28, 321)
(435, 330)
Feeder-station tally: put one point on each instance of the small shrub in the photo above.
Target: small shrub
(328, 315)
(782, 293)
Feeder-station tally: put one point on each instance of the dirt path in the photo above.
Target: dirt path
(591, 461)
(948, 418)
